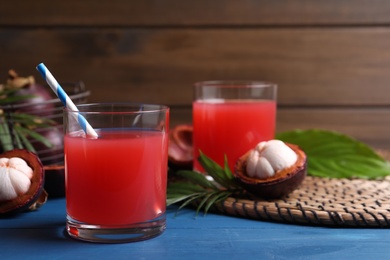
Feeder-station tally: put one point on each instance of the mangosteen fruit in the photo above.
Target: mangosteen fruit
(52, 159)
(180, 149)
(21, 181)
(37, 95)
(272, 169)
(53, 154)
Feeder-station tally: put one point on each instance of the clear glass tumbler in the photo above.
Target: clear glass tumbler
(116, 183)
(231, 117)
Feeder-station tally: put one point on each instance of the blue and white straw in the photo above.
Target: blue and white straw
(66, 101)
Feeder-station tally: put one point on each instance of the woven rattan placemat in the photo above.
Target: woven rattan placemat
(321, 202)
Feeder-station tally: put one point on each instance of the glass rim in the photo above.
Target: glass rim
(134, 108)
(235, 83)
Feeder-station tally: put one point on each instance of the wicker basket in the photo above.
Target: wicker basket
(321, 202)
(50, 109)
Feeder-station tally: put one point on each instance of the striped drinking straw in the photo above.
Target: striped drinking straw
(66, 101)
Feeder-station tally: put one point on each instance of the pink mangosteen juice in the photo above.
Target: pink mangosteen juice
(234, 124)
(126, 187)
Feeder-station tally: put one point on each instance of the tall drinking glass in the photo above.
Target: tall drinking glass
(231, 117)
(116, 183)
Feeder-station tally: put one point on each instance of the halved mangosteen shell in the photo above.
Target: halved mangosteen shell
(283, 183)
(180, 150)
(23, 202)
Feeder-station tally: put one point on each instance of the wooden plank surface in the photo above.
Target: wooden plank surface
(331, 67)
(329, 58)
(193, 13)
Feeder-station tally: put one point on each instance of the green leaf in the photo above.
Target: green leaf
(14, 99)
(204, 200)
(228, 173)
(177, 198)
(217, 197)
(197, 178)
(196, 188)
(16, 128)
(21, 139)
(184, 187)
(31, 120)
(7, 96)
(216, 172)
(5, 137)
(191, 199)
(35, 135)
(335, 155)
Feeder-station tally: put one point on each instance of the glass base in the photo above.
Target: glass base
(122, 234)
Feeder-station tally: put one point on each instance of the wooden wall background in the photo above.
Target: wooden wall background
(331, 59)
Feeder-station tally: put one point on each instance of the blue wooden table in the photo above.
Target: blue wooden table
(40, 235)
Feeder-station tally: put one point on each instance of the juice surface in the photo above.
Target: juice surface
(231, 127)
(118, 179)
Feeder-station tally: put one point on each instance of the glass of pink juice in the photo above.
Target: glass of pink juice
(230, 118)
(116, 183)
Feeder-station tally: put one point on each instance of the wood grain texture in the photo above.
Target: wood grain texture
(331, 67)
(193, 13)
(331, 59)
